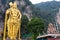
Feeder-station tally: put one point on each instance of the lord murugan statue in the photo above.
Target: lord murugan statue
(12, 22)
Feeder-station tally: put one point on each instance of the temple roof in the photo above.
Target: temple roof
(47, 35)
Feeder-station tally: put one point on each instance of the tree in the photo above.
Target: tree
(24, 22)
(36, 26)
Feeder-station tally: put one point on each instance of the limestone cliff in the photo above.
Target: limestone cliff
(23, 5)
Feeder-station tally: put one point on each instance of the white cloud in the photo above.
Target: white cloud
(38, 1)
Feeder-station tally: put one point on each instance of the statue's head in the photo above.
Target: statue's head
(11, 4)
(15, 5)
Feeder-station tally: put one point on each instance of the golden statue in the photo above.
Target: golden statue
(12, 22)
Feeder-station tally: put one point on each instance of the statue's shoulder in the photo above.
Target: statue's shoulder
(18, 10)
(8, 10)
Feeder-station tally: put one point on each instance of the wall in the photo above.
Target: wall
(53, 38)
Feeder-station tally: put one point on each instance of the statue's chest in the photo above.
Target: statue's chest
(14, 13)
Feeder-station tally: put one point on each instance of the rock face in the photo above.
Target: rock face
(58, 17)
(1, 25)
(58, 21)
(1, 6)
(51, 29)
(22, 5)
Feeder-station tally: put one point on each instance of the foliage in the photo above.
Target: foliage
(24, 25)
(48, 10)
(36, 26)
(36, 11)
(24, 20)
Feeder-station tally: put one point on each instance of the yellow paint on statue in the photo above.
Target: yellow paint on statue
(12, 21)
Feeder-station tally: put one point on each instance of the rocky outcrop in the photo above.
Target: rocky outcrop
(51, 29)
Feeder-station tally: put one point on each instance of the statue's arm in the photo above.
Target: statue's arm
(6, 17)
(7, 12)
(5, 25)
(20, 15)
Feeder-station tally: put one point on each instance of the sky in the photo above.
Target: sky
(39, 1)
